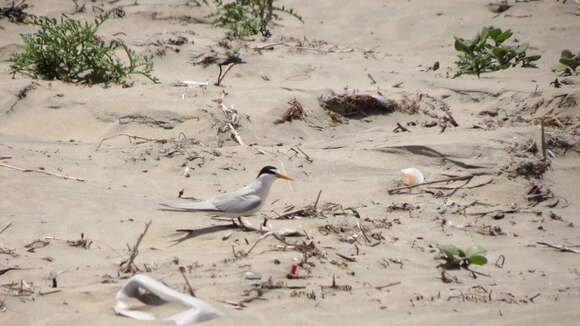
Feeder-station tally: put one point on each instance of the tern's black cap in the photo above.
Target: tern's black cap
(268, 169)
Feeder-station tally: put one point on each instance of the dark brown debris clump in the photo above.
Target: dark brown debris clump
(530, 168)
(357, 105)
(294, 112)
(15, 12)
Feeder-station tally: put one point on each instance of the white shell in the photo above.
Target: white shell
(413, 176)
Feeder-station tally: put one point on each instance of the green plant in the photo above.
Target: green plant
(569, 63)
(455, 257)
(69, 50)
(486, 52)
(248, 17)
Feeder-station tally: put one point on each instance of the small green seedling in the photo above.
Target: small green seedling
(487, 52)
(69, 50)
(570, 63)
(248, 17)
(456, 258)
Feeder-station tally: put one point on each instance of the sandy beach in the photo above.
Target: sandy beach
(84, 168)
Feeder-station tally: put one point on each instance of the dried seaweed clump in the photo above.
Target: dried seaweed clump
(357, 105)
(529, 168)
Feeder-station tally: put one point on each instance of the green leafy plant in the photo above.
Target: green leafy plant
(487, 52)
(569, 62)
(248, 17)
(455, 257)
(69, 50)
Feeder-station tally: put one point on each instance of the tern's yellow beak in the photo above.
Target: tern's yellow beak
(281, 176)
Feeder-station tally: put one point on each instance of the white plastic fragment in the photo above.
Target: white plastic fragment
(140, 286)
(413, 176)
(252, 275)
(187, 172)
(191, 83)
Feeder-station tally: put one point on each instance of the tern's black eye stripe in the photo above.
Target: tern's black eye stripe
(268, 170)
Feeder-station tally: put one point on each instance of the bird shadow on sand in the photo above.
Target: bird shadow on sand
(192, 233)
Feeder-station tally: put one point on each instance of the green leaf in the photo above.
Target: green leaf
(566, 54)
(534, 57)
(477, 260)
(68, 50)
(474, 251)
(494, 33)
(522, 48)
(504, 36)
(498, 52)
(460, 45)
(569, 62)
(449, 250)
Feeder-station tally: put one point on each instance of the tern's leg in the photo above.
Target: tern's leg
(241, 223)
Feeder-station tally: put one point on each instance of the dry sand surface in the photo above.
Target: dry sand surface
(359, 233)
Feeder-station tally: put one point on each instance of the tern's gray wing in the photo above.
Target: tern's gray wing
(237, 202)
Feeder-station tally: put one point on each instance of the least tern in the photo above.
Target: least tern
(243, 202)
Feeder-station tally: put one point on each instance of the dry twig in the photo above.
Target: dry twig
(6, 227)
(334, 286)
(561, 248)
(350, 259)
(189, 288)
(128, 265)
(131, 137)
(222, 76)
(380, 287)
(43, 172)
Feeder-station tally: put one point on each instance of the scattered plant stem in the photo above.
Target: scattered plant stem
(467, 177)
(128, 266)
(131, 137)
(380, 287)
(543, 140)
(6, 227)
(189, 288)
(222, 76)
(334, 286)
(345, 257)
(561, 248)
(22, 93)
(43, 172)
